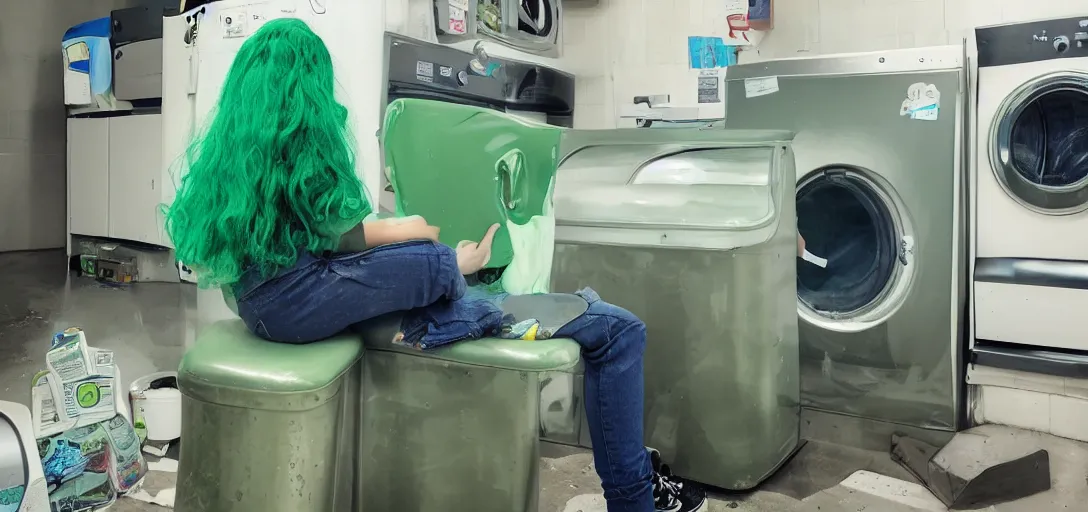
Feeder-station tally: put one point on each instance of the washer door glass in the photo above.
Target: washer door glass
(536, 17)
(1040, 152)
(845, 221)
(528, 24)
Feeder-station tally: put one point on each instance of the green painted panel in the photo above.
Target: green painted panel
(464, 168)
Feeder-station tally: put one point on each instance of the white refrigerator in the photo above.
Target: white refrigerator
(199, 47)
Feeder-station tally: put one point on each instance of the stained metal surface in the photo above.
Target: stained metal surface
(447, 436)
(267, 426)
(721, 359)
(903, 367)
(562, 407)
(238, 459)
(1033, 272)
(721, 364)
(888, 61)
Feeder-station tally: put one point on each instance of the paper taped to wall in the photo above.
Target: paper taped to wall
(754, 87)
(814, 259)
(710, 52)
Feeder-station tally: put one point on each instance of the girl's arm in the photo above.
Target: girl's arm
(368, 235)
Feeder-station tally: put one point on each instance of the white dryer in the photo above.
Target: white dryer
(1031, 188)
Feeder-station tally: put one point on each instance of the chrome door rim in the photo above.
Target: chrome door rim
(898, 286)
(1044, 199)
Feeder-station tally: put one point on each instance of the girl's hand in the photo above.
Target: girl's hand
(800, 245)
(472, 256)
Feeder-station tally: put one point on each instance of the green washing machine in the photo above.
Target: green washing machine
(694, 231)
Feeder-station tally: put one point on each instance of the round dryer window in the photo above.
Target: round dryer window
(1040, 144)
(856, 244)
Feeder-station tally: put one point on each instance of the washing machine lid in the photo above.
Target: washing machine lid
(708, 188)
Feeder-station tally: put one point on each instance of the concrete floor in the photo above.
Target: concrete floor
(149, 326)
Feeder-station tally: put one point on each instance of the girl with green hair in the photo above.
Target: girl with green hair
(271, 185)
(271, 211)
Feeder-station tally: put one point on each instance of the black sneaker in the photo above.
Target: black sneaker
(672, 493)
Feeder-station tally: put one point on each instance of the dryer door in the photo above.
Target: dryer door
(1039, 144)
(859, 243)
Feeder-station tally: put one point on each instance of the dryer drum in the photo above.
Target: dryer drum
(844, 220)
(1039, 144)
(1050, 139)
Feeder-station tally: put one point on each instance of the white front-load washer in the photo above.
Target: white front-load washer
(1031, 186)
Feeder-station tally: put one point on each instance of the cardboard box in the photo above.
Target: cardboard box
(114, 271)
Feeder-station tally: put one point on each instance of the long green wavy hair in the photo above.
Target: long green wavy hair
(273, 173)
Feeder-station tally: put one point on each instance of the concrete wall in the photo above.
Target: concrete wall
(623, 48)
(32, 122)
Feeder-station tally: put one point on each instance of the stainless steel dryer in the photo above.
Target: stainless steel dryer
(880, 203)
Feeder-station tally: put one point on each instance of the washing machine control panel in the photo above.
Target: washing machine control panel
(417, 69)
(1032, 41)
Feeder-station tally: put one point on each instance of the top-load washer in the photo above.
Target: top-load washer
(880, 298)
(1031, 190)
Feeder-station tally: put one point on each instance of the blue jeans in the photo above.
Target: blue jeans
(322, 296)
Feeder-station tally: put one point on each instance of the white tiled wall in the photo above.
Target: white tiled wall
(1063, 416)
(1044, 403)
(623, 48)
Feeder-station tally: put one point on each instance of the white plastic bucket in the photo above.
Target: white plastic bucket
(160, 409)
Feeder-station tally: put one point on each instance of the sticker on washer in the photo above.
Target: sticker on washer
(923, 102)
(760, 86)
(425, 71)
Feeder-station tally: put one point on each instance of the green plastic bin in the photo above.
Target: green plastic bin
(267, 426)
(455, 428)
(458, 428)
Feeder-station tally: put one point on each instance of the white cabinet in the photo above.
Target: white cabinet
(135, 182)
(115, 177)
(88, 176)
